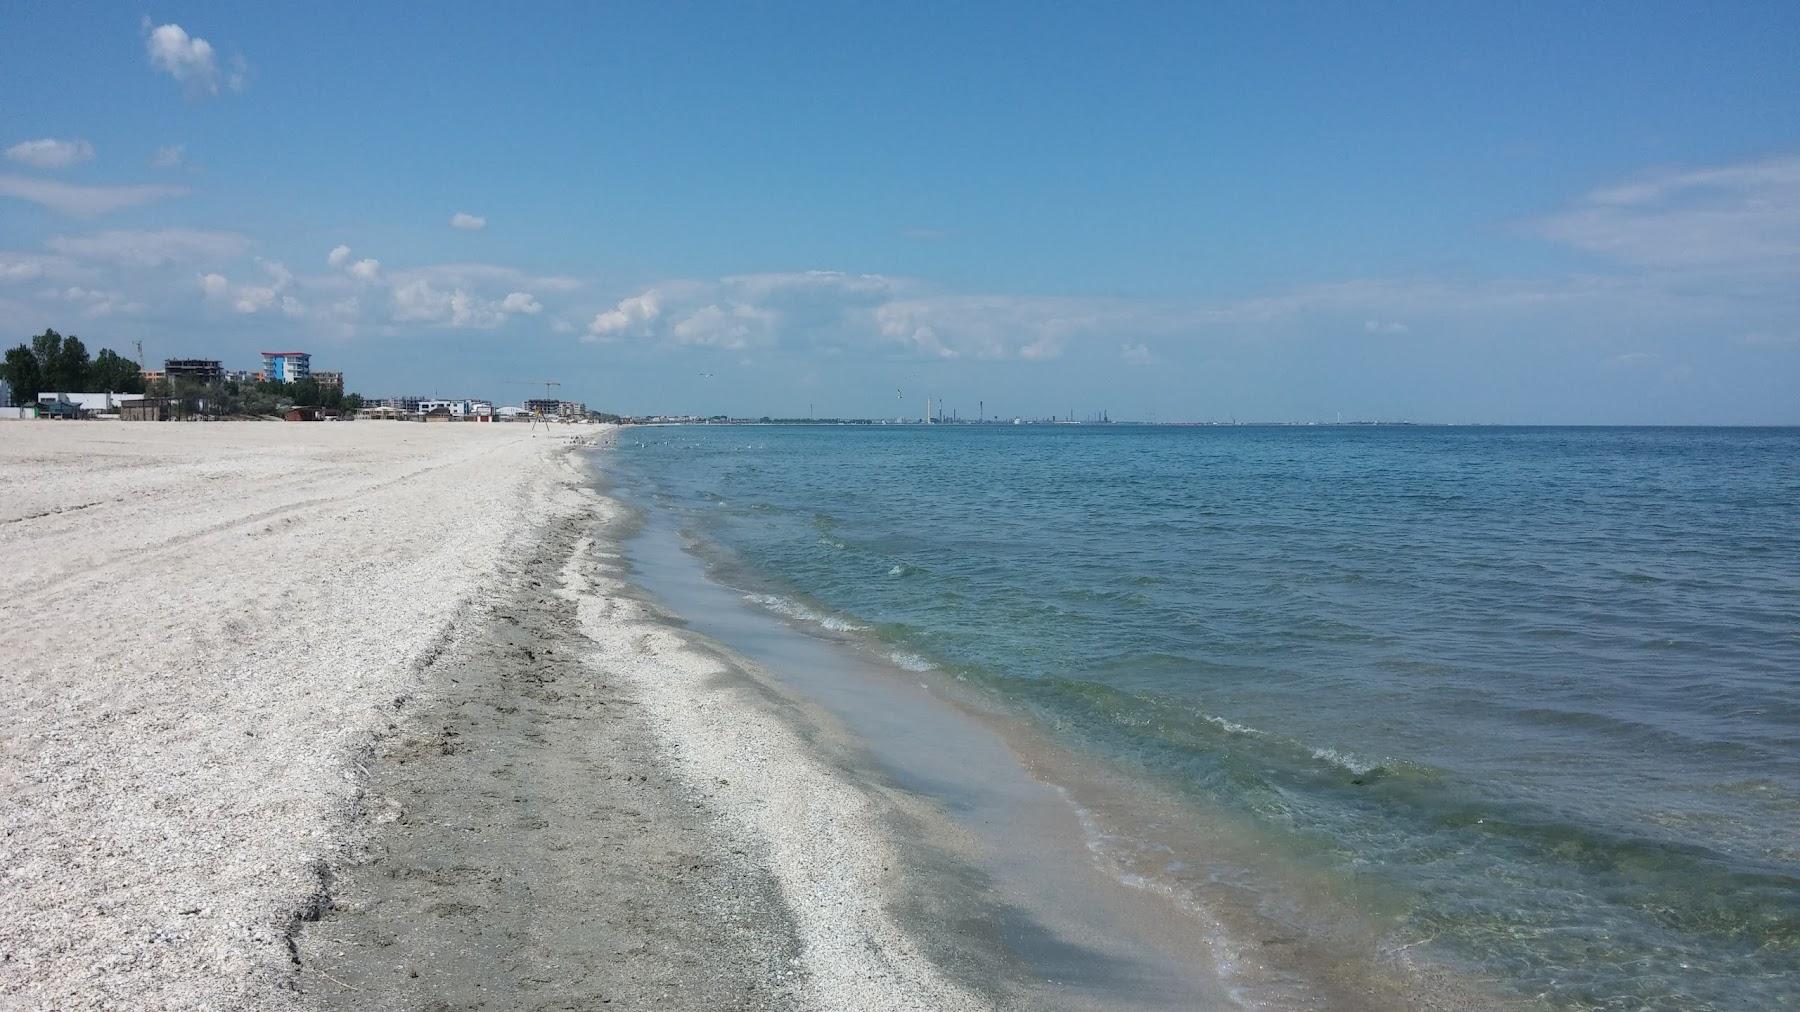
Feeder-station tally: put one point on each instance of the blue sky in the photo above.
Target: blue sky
(1528, 213)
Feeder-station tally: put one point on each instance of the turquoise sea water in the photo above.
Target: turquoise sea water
(1539, 689)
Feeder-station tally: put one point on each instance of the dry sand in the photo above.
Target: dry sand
(204, 624)
(387, 678)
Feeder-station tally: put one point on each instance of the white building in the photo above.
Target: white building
(90, 404)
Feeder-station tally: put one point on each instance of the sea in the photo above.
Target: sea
(1525, 699)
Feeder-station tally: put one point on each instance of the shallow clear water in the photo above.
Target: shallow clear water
(1534, 692)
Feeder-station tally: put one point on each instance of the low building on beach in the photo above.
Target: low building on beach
(148, 409)
(84, 404)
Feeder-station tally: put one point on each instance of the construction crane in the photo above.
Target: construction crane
(548, 385)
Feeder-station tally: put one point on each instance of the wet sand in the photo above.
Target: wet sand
(526, 844)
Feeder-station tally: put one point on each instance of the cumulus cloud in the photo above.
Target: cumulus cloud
(419, 301)
(467, 222)
(1136, 354)
(169, 157)
(84, 201)
(50, 153)
(256, 296)
(521, 302)
(633, 313)
(366, 270)
(191, 60)
(338, 257)
(734, 327)
(152, 248)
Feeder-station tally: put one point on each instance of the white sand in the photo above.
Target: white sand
(819, 832)
(202, 625)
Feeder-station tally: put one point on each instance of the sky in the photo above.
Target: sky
(1519, 213)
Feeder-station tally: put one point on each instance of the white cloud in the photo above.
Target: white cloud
(418, 301)
(188, 59)
(467, 275)
(152, 248)
(1136, 354)
(50, 153)
(832, 309)
(338, 257)
(735, 327)
(169, 157)
(21, 268)
(1742, 217)
(468, 222)
(1385, 327)
(95, 303)
(636, 312)
(84, 201)
(521, 302)
(366, 270)
(251, 298)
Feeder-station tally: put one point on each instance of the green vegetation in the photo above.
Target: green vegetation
(51, 362)
(230, 397)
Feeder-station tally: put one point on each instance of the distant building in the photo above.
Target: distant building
(5, 394)
(404, 405)
(86, 404)
(287, 366)
(556, 409)
(148, 409)
(329, 380)
(198, 370)
(154, 375)
(459, 408)
(240, 376)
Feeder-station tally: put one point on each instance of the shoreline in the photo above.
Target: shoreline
(559, 789)
(735, 780)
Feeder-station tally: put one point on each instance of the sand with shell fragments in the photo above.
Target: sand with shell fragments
(203, 623)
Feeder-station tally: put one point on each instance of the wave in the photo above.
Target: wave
(788, 608)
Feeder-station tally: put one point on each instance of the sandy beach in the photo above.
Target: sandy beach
(364, 715)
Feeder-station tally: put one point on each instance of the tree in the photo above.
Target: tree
(46, 347)
(115, 373)
(305, 392)
(353, 402)
(21, 372)
(72, 365)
